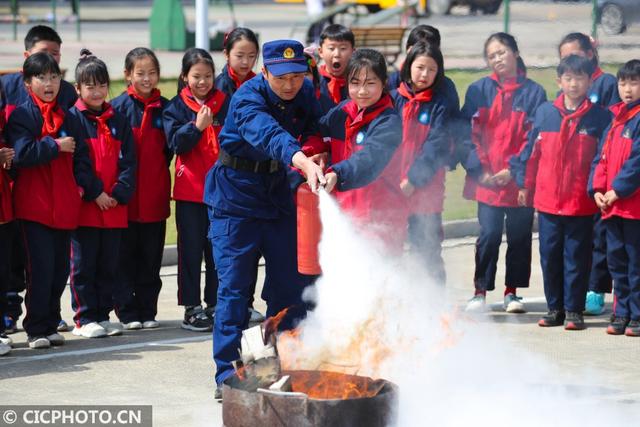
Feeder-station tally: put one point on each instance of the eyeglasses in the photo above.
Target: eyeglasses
(48, 78)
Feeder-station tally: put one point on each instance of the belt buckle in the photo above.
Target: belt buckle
(273, 166)
(256, 167)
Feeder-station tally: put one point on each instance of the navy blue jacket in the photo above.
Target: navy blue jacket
(16, 93)
(259, 127)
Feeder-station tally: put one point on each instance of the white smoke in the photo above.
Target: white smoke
(379, 317)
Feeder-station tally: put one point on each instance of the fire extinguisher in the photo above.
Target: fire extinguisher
(309, 230)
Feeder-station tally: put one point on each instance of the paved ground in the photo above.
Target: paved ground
(171, 369)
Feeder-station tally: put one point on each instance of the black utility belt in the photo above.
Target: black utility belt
(246, 165)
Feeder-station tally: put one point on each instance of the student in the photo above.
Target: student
(250, 203)
(240, 51)
(365, 131)
(192, 122)
(497, 112)
(53, 170)
(554, 167)
(423, 153)
(604, 92)
(39, 38)
(136, 292)
(614, 181)
(95, 244)
(6, 216)
(337, 44)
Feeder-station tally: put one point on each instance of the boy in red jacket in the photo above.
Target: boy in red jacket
(614, 184)
(555, 165)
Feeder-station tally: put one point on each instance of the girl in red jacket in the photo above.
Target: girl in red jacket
(96, 242)
(498, 109)
(137, 290)
(192, 122)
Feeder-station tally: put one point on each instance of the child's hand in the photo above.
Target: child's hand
(6, 157)
(523, 195)
(407, 188)
(104, 201)
(66, 144)
(610, 197)
(600, 200)
(204, 118)
(332, 180)
(486, 179)
(320, 160)
(502, 178)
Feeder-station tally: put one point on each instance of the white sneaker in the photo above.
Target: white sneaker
(513, 304)
(4, 349)
(90, 330)
(255, 315)
(5, 339)
(39, 342)
(150, 324)
(56, 339)
(112, 328)
(132, 325)
(477, 304)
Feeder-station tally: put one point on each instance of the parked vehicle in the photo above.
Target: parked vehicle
(615, 15)
(442, 7)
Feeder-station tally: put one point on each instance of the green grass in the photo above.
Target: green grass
(455, 207)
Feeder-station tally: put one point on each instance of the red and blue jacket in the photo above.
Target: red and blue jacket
(228, 82)
(112, 152)
(260, 127)
(424, 152)
(16, 93)
(497, 117)
(556, 162)
(332, 91)
(617, 165)
(150, 200)
(196, 152)
(362, 145)
(49, 184)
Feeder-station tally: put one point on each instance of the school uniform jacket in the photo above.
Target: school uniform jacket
(226, 83)
(6, 206)
(49, 184)
(489, 147)
(556, 162)
(260, 127)
(150, 200)
(422, 161)
(113, 159)
(193, 159)
(16, 93)
(617, 165)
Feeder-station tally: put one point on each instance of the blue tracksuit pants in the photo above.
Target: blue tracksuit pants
(623, 256)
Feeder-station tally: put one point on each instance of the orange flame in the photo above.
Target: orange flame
(333, 385)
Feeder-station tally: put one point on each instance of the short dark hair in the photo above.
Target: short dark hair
(238, 34)
(138, 53)
(39, 63)
(630, 70)
(368, 59)
(422, 49)
(192, 57)
(576, 64)
(91, 70)
(41, 33)
(338, 33)
(425, 33)
(509, 41)
(584, 41)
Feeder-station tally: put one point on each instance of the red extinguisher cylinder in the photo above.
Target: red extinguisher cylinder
(309, 230)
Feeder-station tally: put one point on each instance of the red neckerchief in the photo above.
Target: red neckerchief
(503, 101)
(149, 104)
(102, 128)
(621, 116)
(52, 115)
(570, 119)
(335, 84)
(236, 78)
(356, 119)
(214, 102)
(596, 73)
(413, 134)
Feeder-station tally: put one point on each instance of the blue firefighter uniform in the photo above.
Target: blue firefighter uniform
(251, 207)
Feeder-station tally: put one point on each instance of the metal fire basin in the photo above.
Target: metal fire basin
(242, 408)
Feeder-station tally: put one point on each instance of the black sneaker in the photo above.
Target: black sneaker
(574, 321)
(552, 318)
(195, 319)
(617, 326)
(210, 311)
(217, 395)
(633, 329)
